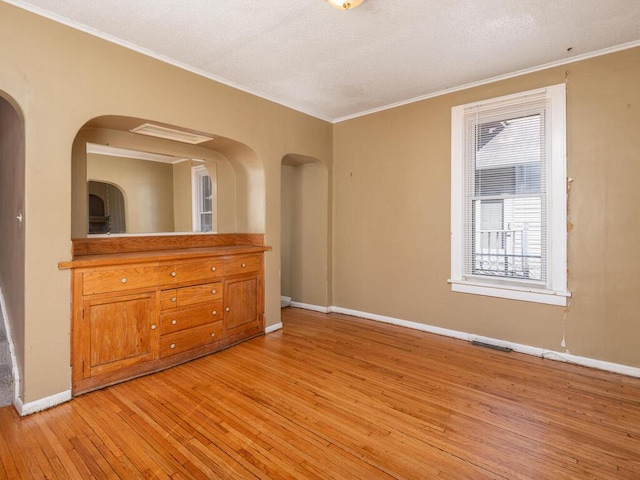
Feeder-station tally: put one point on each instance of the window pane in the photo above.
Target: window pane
(205, 222)
(507, 236)
(205, 185)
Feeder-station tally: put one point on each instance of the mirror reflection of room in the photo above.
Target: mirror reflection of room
(168, 185)
(131, 191)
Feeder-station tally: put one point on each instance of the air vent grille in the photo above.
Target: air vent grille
(170, 134)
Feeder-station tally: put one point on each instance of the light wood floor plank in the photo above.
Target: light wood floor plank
(332, 396)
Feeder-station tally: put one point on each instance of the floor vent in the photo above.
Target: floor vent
(491, 346)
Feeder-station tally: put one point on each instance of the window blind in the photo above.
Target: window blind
(505, 194)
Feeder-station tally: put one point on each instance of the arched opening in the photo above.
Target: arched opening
(156, 177)
(304, 231)
(106, 208)
(12, 246)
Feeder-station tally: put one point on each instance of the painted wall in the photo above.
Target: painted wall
(61, 79)
(147, 188)
(12, 238)
(392, 216)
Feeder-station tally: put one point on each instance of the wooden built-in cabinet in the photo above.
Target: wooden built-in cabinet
(137, 312)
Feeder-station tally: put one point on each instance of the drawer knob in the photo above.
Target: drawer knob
(124, 280)
(173, 274)
(213, 292)
(215, 312)
(153, 327)
(213, 269)
(173, 299)
(244, 264)
(173, 345)
(173, 322)
(213, 335)
(226, 309)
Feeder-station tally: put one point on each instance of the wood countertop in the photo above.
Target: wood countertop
(105, 251)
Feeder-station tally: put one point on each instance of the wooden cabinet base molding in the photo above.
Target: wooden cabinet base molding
(137, 312)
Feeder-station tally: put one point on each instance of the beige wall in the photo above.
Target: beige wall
(61, 79)
(147, 188)
(11, 232)
(392, 216)
(182, 219)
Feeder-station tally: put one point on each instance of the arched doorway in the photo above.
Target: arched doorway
(304, 231)
(12, 247)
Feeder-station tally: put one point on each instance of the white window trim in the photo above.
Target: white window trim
(196, 173)
(555, 291)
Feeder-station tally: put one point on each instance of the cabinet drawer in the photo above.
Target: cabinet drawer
(190, 338)
(238, 265)
(183, 297)
(118, 279)
(175, 320)
(205, 269)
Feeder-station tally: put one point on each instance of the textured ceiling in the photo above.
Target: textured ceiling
(333, 64)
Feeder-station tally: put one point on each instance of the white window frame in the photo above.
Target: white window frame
(554, 292)
(197, 172)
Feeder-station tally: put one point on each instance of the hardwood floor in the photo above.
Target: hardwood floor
(332, 396)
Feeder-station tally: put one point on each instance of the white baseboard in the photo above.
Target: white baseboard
(285, 301)
(273, 328)
(516, 347)
(308, 306)
(42, 404)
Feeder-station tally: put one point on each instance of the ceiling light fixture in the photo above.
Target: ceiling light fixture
(344, 5)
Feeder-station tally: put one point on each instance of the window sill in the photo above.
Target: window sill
(524, 294)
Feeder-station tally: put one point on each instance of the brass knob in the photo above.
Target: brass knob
(124, 280)
(153, 327)
(173, 345)
(173, 274)
(213, 269)
(213, 292)
(226, 309)
(173, 299)
(213, 335)
(244, 264)
(214, 312)
(173, 322)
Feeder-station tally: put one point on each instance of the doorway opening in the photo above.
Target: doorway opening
(304, 232)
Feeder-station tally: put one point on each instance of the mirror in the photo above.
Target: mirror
(126, 183)
(135, 192)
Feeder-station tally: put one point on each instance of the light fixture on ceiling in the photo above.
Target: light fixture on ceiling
(344, 4)
(170, 134)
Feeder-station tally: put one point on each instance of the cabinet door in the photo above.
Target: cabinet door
(241, 307)
(119, 332)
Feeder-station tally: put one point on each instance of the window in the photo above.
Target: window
(204, 202)
(508, 197)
